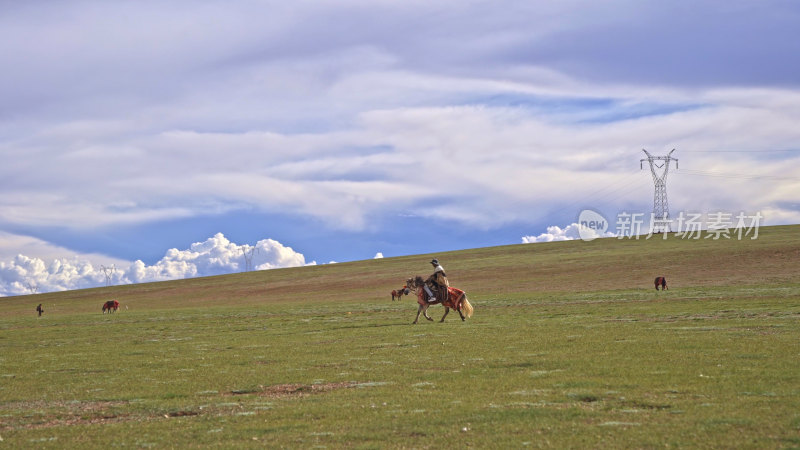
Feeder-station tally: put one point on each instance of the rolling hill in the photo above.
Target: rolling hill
(570, 346)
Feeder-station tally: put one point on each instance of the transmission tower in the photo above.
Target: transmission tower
(32, 287)
(661, 220)
(248, 252)
(109, 273)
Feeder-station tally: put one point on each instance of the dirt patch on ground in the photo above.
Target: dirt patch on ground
(44, 414)
(292, 390)
(75, 406)
(182, 414)
(79, 421)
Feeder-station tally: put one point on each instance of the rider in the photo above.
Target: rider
(438, 280)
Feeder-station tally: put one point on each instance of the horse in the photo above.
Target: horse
(399, 293)
(661, 281)
(456, 299)
(40, 310)
(110, 306)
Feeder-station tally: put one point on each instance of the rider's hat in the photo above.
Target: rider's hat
(435, 261)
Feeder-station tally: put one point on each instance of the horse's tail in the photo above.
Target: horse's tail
(467, 306)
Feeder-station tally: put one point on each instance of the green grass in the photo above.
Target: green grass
(569, 347)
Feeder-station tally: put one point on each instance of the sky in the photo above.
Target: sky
(149, 140)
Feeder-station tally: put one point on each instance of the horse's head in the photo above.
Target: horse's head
(414, 283)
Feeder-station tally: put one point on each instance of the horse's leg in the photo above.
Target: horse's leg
(459, 304)
(446, 310)
(425, 312)
(419, 310)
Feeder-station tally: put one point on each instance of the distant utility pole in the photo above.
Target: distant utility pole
(661, 220)
(109, 273)
(32, 287)
(248, 253)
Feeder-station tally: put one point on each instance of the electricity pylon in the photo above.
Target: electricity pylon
(661, 220)
(109, 273)
(248, 252)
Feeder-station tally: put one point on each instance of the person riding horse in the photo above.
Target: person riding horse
(437, 282)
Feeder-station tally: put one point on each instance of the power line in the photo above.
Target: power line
(623, 183)
(706, 173)
(787, 150)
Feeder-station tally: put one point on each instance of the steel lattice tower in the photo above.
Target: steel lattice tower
(661, 220)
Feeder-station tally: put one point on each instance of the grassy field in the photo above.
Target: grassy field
(569, 347)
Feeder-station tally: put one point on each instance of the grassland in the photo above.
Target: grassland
(570, 347)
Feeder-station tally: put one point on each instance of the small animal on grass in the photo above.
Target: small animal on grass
(110, 306)
(40, 310)
(399, 293)
(456, 299)
(661, 281)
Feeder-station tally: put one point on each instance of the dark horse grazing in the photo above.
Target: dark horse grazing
(399, 293)
(40, 310)
(110, 306)
(456, 299)
(662, 282)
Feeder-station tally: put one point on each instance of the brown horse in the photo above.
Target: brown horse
(662, 282)
(110, 306)
(456, 299)
(399, 293)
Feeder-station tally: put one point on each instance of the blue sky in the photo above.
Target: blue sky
(171, 138)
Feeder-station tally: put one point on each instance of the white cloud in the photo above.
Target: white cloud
(555, 233)
(217, 255)
(25, 275)
(568, 233)
(12, 245)
(378, 255)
